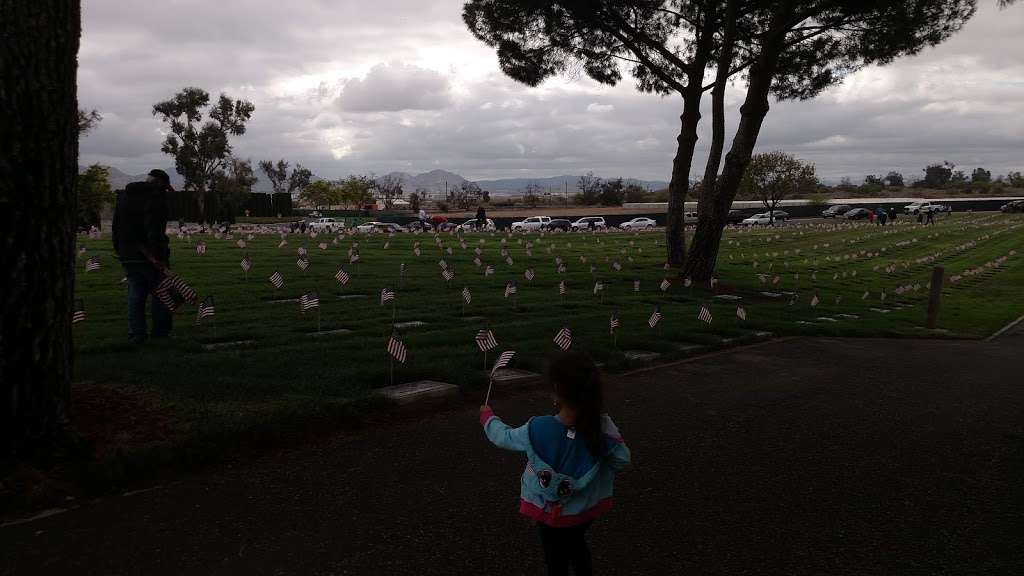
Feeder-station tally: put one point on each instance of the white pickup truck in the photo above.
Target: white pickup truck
(924, 207)
(326, 225)
(531, 223)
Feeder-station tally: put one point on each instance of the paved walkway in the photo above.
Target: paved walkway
(794, 457)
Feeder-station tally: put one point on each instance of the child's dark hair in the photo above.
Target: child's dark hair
(576, 382)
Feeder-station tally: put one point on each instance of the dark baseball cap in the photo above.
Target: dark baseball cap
(161, 176)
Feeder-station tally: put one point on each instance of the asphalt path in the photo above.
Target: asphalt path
(800, 456)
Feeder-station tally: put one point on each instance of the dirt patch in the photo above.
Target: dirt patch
(112, 419)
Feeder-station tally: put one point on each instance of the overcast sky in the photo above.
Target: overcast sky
(355, 87)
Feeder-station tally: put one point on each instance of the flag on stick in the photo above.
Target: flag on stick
(277, 280)
(510, 288)
(467, 296)
(309, 300)
(485, 340)
(655, 317)
(341, 276)
(396, 348)
(206, 309)
(92, 263)
(741, 313)
(246, 264)
(704, 315)
(502, 360)
(201, 248)
(613, 323)
(386, 295)
(665, 284)
(302, 263)
(78, 313)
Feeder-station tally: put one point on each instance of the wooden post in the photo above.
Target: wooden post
(935, 296)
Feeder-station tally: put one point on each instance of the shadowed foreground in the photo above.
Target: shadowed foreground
(801, 457)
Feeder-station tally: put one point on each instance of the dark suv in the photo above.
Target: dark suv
(835, 211)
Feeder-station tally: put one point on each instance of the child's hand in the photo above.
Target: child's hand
(485, 408)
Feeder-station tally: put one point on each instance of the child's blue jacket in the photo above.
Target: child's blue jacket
(570, 497)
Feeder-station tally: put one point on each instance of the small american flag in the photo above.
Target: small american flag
(282, 244)
(529, 274)
(563, 339)
(447, 274)
(301, 251)
(741, 313)
(508, 260)
(206, 309)
(396, 348)
(616, 266)
(309, 300)
(78, 313)
(655, 317)
(341, 276)
(510, 288)
(865, 296)
(241, 243)
(613, 323)
(322, 246)
(386, 295)
(598, 286)
(583, 259)
(277, 280)
(201, 248)
(416, 250)
(246, 264)
(561, 287)
(503, 360)
(485, 340)
(477, 262)
(665, 284)
(704, 315)
(401, 269)
(92, 264)
(302, 263)
(442, 264)
(636, 285)
(489, 270)
(354, 258)
(477, 251)
(814, 301)
(666, 267)
(172, 290)
(387, 245)
(467, 295)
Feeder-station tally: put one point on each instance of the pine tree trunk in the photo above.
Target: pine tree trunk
(38, 170)
(706, 239)
(723, 65)
(675, 227)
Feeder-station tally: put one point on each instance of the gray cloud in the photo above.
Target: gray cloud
(347, 87)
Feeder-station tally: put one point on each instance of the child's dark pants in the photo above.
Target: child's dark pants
(565, 546)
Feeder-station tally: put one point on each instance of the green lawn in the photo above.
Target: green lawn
(288, 374)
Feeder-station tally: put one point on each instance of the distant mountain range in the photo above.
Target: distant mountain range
(433, 181)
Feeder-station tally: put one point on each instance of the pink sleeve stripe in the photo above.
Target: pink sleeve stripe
(485, 416)
(615, 438)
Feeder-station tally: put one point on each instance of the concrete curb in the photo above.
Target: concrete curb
(1004, 329)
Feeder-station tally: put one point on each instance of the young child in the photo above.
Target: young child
(571, 461)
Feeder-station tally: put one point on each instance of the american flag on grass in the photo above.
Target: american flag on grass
(561, 288)
(636, 285)
(416, 250)
(302, 263)
(510, 288)
(488, 270)
(172, 291)
(598, 286)
(246, 264)
(467, 296)
(477, 262)
(92, 263)
(616, 266)
(396, 348)
(387, 245)
(655, 317)
(563, 339)
(322, 246)
(485, 340)
(442, 264)
(206, 309)
(503, 360)
(241, 243)
(401, 269)
(78, 312)
(447, 274)
(341, 276)
(301, 252)
(613, 322)
(814, 301)
(386, 295)
(277, 280)
(309, 300)
(665, 285)
(508, 260)
(354, 258)
(529, 274)
(704, 315)
(741, 313)
(282, 244)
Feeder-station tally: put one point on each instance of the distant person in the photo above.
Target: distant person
(302, 227)
(481, 216)
(882, 216)
(141, 244)
(892, 214)
(930, 217)
(871, 216)
(571, 461)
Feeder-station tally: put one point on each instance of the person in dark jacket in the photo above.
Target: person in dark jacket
(141, 243)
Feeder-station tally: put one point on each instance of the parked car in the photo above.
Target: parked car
(589, 223)
(689, 217)
(416, 225)
(1014, 206)
(924, 207)
(638, 223)
(560, 224)
(473, 225)
(780, 215)
(385, 227)
(857, 214)
(531, 223)
(836, 210)
(325, 225)
(736, 217)
(757, 219)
